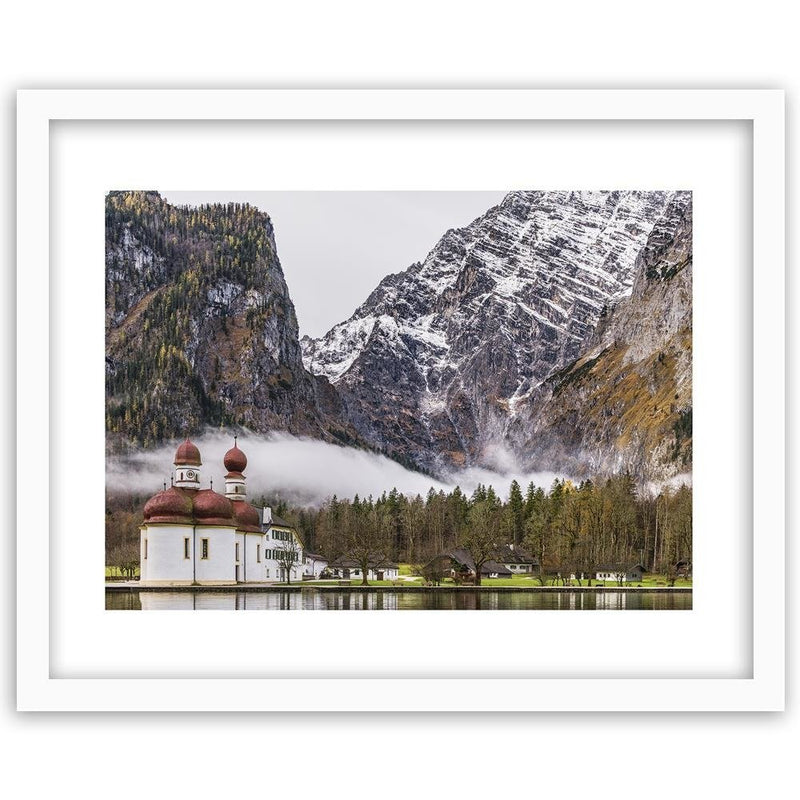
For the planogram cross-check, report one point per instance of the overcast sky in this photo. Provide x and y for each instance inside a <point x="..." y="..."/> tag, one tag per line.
<point x="335" y="247"/>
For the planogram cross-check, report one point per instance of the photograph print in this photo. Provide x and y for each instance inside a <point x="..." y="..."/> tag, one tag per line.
<point x="398" y="400"/>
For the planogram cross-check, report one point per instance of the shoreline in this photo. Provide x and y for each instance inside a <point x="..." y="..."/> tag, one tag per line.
<point x="131" y="587"/>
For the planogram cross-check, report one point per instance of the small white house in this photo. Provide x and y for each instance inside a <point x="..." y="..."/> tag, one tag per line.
<point x="313" y="565"/>
<point x="620" y="574"/>
<point x="517" y="560"/>
<point x="349" y="569"/>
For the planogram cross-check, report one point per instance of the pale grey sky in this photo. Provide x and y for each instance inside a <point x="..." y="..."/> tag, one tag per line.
<point x="335" y="247"/>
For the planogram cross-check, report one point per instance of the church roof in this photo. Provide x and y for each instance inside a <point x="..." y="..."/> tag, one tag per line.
<point x="246" y="516"/>
<point x="172" y="505"/>
<point x="235" y="460"/>
<point x="211" y="508"/>
<point x="188" y="453"/>
<point x="185" y="506"/>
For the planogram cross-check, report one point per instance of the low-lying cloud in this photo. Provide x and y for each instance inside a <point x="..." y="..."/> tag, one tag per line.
<point x="305" y="471"/>
<point x="653" y="488"/>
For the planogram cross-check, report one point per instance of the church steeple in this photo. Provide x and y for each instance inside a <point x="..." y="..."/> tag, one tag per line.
<point x="235" y="462"/>
<point x="187" y="466"/>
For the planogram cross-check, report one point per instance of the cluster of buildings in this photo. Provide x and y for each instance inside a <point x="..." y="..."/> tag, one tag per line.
<point x="196" y="536"/>
<point x="509" y="560"/>
<point x="348" y="568"/>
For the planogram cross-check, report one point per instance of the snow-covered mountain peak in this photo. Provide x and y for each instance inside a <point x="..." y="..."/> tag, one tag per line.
<point x="545" y="260"/>
<point x="433" y="366"/>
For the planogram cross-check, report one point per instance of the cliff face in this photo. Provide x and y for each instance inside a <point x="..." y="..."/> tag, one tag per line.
<point x="200" y="328"/>
<point x="439" y="365"/>
<point x="626" y="402"/>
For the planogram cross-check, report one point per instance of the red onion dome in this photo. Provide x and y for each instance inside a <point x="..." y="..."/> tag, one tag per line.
<point x="246" y="516"/>
<point x="235" y="460"/>
<point x="211" y="508"/>
<point x="171" y="505"/>
<point x="188" y="453"/>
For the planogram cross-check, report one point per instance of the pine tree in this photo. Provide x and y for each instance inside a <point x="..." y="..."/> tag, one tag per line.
<point x="516" y="513"/>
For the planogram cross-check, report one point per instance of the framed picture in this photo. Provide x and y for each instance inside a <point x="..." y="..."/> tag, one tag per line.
<point x="87" y="160"/>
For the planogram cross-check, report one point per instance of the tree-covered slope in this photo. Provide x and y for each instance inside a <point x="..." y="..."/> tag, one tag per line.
<point x="200" y="328"/>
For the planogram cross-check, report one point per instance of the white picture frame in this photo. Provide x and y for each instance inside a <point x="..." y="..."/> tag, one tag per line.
<point x="42" y="684"/>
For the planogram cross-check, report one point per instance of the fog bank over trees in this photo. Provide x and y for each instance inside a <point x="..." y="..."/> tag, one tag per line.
<point x="304" y="472"/>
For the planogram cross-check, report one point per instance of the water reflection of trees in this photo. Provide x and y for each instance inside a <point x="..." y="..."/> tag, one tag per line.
<point x="455" y="600"/>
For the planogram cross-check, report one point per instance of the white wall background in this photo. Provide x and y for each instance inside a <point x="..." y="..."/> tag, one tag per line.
<point x="417" y="44"/>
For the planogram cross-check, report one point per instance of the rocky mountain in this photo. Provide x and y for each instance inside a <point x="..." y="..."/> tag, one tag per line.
<point x="200" y="328"/>
<point x="446" y="364"/>
<point x="556" y="327"/>
<point x="626" y="402"/>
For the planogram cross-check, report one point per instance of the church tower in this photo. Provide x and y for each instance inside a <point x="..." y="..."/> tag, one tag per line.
<point x="187" y="466"/>
<point x="236" y="463"/>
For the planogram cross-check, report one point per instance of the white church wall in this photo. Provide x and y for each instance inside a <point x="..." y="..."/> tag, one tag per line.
<point x="162" y="553"/>
<point x="142" y="560"/>
<point x="238" y="556"/>
<point x="218" y="564"/>
<point x="253" y="551"/>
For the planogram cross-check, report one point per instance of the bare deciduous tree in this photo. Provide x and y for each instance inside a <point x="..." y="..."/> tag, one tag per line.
<point x="367" y="538"/>
<point x="480" y="537"/>
<point x="288" y="557"/>
<point x="125" y="557"/>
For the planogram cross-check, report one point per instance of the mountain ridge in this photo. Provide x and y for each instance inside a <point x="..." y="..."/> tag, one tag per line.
<point x="433" y="363"/>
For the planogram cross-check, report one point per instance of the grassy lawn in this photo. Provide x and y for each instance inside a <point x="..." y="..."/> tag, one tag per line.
<point x="518" y="581"/>
<point x="661" y="580"/>
<point x="527" y="580"/>
<point x="357" y="582"/>
<point x="515" y="581"/>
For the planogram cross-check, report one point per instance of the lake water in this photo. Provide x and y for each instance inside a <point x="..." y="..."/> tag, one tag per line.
<point x="460" y="600"/>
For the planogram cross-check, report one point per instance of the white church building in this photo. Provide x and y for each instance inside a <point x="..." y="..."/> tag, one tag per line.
<point x="193" y="536"/>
